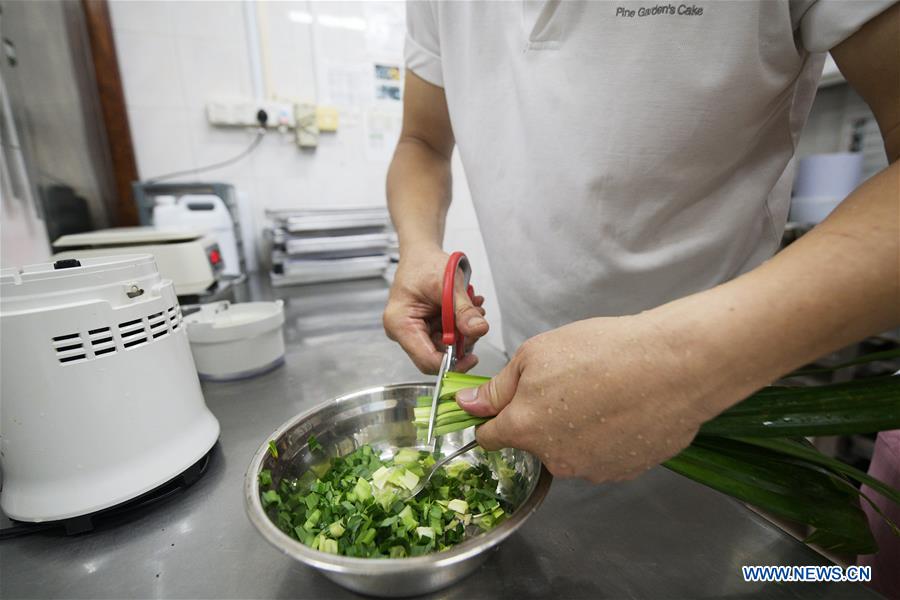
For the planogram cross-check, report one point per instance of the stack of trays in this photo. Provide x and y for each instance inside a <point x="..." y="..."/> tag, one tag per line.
<point x="317" y="245"/>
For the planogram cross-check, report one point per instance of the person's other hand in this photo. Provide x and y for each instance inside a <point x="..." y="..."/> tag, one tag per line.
<point x="601" y="399"/>
<point x="412" y="316"/>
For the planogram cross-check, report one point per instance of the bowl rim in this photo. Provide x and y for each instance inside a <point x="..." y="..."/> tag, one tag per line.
<point x="350" y="564"/>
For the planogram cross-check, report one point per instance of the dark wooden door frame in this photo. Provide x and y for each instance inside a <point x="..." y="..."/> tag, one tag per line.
<point x="113" y="108"/>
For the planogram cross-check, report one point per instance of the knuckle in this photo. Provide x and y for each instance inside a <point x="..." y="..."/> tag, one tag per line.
<point x="527" y="349"/>
<point x="487" y="439"/>
<point x="497" y="435"/>
<point x="491" y="389"/>
<point x="387" y="324"/>
<point x="558" y="469"/>
<point x="390" y="313"/>
<point x="516" y="426"/>
<point x="461" y="309"/>
<point x="423" y="367"/>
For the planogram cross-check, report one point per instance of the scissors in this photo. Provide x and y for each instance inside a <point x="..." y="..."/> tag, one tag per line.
<point x="451" y="337"/>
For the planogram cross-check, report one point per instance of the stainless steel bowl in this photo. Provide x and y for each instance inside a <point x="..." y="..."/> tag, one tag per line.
<point x="382" y="417"/>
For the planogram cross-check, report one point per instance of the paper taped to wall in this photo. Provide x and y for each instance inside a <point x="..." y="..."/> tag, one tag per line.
<point x="382" y="127"/>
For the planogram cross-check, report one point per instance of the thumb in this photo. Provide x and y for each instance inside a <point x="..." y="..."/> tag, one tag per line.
<point x="490" y="398"/>
<point x="469" y="318"/>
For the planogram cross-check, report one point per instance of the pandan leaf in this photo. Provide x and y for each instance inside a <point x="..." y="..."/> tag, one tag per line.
<point x="802" y="452"/>
<point x="768" y="481"/>
<point x="862" y="406"/>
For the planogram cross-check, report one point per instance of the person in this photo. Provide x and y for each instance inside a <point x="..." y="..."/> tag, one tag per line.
<point x="630" y="165"/>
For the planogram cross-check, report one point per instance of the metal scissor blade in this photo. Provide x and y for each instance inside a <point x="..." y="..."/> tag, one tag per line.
<point x="446" y="365"/>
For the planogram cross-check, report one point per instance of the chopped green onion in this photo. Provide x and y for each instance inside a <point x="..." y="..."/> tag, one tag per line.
<point x="359" y="505"/>
<point x="362" y="489"/>
<point x="265" y="478"/>
<point x="328" y="545"/>
<point x="336" y="529"/>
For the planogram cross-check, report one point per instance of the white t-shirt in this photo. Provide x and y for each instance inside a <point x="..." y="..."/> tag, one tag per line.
<point x="624" y="154"/>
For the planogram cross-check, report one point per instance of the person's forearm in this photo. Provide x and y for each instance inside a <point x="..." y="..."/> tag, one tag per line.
<point x="419" y="192"/>
<point x="834" y="286"/>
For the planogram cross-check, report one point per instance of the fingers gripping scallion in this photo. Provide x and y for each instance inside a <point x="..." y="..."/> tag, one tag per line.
<point x="450" y="417"/>
<point x="751" y="451"/>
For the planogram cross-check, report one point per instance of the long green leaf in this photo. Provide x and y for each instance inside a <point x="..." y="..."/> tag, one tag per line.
<point x="863" y="406"/>
<point x="802" y="452"/>
<point x="762" y="478"/>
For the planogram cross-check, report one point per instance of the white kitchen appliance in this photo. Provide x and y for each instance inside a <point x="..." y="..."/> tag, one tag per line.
<point x="100" y="398"/>
<point x="201" y="212"/>
<point x="236" y="341"/>
<point x="822" y="182"/>
<point x="191" y="259"/>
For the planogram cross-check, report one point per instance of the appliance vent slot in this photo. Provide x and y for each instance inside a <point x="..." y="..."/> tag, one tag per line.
<point x="69" y="347"/>
<point x="102" y="341"/>
<point x="133" y="333"/>
<point x="131" y="328"/>
<point x="65" y="359"/>
<point x="134" y="342"/>
<point x="174" y="316"/>
<point x="70" y="336"/>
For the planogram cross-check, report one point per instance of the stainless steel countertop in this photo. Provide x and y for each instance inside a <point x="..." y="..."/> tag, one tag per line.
<point x="658" y="536"/>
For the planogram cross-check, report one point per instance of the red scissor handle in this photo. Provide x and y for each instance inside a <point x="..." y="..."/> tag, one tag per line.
<point x="451" y="335"/>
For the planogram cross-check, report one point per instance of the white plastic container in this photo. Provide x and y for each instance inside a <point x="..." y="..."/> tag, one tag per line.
<point x="236" y="341"/>
<point x="100" y="399"/>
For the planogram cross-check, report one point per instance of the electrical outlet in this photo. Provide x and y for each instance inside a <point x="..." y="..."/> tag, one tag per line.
<point x="224" y="113"/>
<point x="281" y="114"/>
<point x="242" y="113"/>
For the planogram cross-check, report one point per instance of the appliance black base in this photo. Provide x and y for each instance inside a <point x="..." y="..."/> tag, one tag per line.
<point x="87" y="523"/>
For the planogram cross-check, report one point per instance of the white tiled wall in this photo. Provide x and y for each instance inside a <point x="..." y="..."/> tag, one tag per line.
<point x="175" y="56"/>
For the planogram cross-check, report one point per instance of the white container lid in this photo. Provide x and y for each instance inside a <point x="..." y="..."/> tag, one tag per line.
<point x="129" y="236"/>
<point x="224" y="322"/>
<point x="49" y="285"/>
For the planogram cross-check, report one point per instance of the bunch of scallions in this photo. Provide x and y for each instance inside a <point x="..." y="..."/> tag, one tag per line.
<point x="757" y="450"/>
